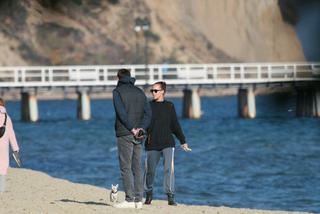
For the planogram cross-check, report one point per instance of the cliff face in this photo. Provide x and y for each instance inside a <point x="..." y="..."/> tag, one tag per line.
<point x="184" y="31"/>
<point x="244" y="30"/>
<point x="304" y="15"/>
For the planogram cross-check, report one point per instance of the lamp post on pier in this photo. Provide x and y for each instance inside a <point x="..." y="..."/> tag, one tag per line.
<point x="143" y="25"/>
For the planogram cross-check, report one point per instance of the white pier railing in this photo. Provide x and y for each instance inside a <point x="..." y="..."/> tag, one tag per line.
<point x="179" y="74"/>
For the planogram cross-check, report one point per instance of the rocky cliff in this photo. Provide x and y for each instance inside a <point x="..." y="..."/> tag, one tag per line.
<point x="304" y="15"/>
<point x="33" y="32"/>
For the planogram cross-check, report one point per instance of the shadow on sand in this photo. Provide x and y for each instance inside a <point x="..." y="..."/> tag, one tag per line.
<point x="85" y="202"/>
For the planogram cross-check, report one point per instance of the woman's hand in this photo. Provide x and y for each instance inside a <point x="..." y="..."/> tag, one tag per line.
<point x="185" y="147"/>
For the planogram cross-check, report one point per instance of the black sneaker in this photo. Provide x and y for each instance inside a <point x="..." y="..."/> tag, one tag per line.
<point x="148" y="198"/>
<point x="171" y="200"/>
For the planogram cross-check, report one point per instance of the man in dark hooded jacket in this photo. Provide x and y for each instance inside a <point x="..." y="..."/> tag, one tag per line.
<point x="133" y="113"/>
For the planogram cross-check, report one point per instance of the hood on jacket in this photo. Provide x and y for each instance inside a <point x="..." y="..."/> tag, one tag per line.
<point x="126" y="80"/>
<point x="3" y="109"/>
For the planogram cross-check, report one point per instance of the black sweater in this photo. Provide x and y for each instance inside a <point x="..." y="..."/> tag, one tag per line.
<point x="164" y="123"/>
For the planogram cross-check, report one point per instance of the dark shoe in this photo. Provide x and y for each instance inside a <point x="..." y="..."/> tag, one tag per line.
<point x="171" y="200"/>
<point x="148" y="198"/>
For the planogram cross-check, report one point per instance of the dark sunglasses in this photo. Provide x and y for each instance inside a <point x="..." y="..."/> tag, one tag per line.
<point x="155" y="90"/>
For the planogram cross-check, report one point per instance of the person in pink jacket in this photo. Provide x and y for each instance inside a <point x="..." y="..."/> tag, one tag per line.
<point x="8" y="137"/>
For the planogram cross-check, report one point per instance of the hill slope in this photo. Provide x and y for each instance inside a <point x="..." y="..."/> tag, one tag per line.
<point x="183" y="31"/>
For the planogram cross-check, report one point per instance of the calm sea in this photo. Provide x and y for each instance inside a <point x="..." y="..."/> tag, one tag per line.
<point x="271" y="162"/>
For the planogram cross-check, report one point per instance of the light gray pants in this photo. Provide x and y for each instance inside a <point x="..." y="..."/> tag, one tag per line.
<point x="151" y="163"/>
<point x="2" y="183"/>
<point x="130" y="166"/>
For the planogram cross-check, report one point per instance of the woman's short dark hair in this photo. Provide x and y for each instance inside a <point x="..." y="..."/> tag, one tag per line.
<point x="162" y="84"/>
<point x="123" y="73"/>
<point x="2" y="103"/>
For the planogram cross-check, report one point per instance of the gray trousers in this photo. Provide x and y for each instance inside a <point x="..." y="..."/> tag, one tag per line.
<point x="151" y="163"/>
<point x="130" y="167"/>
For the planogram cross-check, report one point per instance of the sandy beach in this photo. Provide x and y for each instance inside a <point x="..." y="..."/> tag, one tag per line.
<point x="36" y="192"/>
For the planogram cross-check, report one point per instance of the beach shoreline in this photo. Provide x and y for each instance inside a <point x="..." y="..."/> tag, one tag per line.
<point x="31" y="191"/>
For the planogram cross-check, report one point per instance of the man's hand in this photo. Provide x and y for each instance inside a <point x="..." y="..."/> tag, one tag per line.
<point x="185" y="147"/>
<point x="136" y="131"/>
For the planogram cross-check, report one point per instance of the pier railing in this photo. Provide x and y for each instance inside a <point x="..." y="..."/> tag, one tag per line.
<point x="173" y="74"/>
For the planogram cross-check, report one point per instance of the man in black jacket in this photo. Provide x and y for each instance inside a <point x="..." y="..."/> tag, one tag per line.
<point x="133" y="113"/>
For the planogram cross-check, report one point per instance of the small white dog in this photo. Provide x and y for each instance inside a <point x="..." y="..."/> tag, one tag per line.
<point x="114" y="193"/>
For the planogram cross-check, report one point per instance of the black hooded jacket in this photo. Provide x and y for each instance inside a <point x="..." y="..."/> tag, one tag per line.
<point x="131" y="107"/>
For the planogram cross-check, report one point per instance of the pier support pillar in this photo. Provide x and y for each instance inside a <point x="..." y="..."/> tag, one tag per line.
<point x="83" y="108"/>
<point x="308" y="102"/>
<point x="317" y="103"/>
<point x="246" y="103"/>
<point x="29" y="107"/>
<point x="191" y="104"/>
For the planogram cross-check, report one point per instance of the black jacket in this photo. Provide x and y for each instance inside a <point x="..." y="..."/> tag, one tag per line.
<point x="131" y="107"/>
<point x="164" y="123"/>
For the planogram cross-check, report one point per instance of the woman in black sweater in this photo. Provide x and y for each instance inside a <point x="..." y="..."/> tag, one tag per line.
<point x="160" y="142"/>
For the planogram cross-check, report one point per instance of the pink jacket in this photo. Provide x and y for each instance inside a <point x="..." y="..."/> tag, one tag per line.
<point x="8" y="137"/>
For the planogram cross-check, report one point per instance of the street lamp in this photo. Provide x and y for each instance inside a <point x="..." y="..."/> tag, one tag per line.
<point x="143" y="25"/>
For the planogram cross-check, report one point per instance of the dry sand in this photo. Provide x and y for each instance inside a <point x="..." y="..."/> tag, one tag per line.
<point x="35" y="192"/>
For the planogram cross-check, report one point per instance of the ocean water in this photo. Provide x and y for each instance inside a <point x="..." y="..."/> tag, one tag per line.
<point x="271" y="162"/>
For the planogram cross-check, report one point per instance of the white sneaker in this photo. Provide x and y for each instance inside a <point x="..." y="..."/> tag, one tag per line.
<point x="138" y="205"/>
<point x="125" y="204"/>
